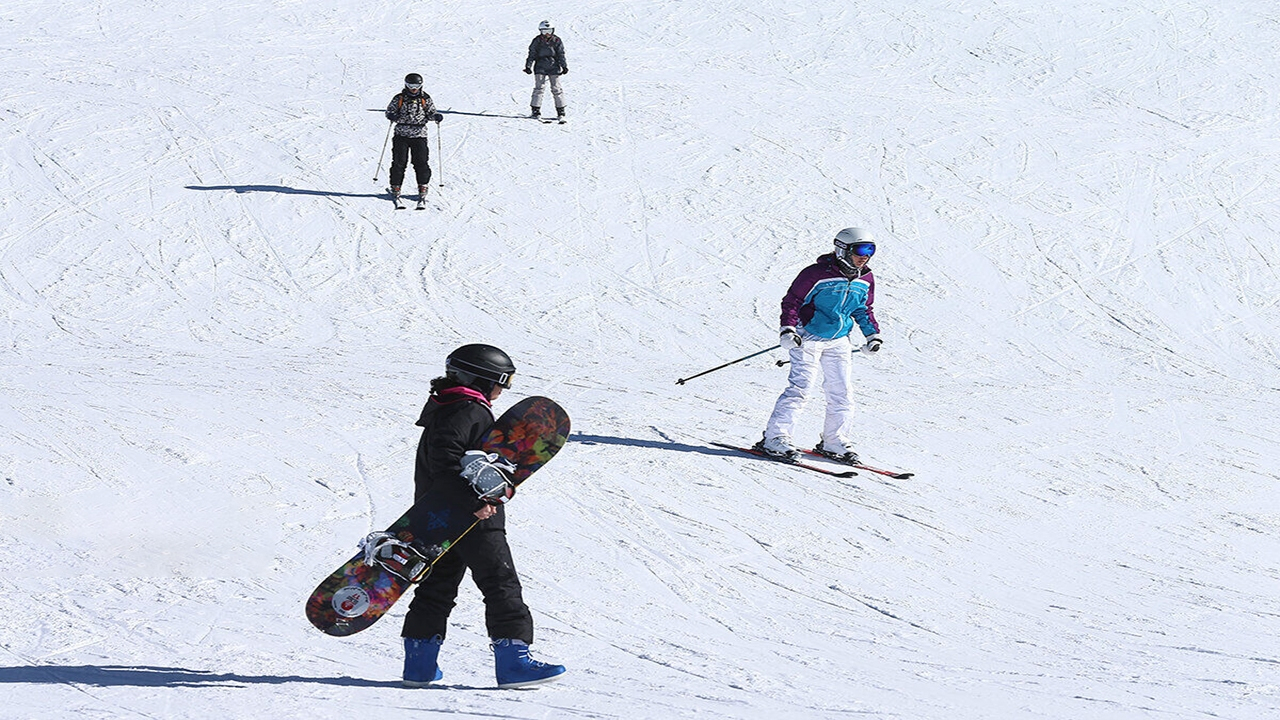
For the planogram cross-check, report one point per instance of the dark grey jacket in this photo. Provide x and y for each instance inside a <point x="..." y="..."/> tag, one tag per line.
<point x="546" y="56"/>
<point x="453" y="422"/>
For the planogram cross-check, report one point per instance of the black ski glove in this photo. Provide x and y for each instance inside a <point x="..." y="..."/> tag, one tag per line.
<point x="527" y="71"/>
<point x="874" y="343"/>
<point x="564" y="71"/>
<point x="438" y="117"/>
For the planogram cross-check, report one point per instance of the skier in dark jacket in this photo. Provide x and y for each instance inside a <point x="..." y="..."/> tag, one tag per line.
<point x="455" y="419"/>
<point x="546" y="63"/>
<point x="411" y="109"/>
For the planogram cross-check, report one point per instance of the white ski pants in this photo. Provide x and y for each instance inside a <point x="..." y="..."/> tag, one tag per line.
<point x="834" y="358"/>
<point x="557" y="92"/>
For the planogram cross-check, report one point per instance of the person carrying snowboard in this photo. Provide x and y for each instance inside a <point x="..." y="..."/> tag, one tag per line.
<point x="411" y="109"/>
<point x="825" y="302"/>
<point x="449" y="479"/>
<point x="546" y="63"/>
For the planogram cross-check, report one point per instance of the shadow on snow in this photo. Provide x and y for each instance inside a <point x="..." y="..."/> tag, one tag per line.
<point x="147" y="676"/>
<point x="470" y="114"/>
<point x="652" y="444"/>
<point x="285" y="190"/>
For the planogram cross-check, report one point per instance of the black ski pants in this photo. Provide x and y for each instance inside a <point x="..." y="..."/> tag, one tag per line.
<point x="485" y="552"/>
<point x="400" y="148"/>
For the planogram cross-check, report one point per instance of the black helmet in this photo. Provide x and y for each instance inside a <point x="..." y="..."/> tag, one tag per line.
<point x="479" y="364"/>
<point x="413" y="79"/>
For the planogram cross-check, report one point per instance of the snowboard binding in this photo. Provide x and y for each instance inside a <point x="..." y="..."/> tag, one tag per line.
<point x="409" y="561"/>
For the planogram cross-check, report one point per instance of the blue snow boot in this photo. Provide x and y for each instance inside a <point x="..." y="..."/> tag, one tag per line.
<point x="420" y="669"/>
<point x="514" y="667"/>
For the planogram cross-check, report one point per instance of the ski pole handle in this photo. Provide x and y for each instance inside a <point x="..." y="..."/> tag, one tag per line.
<point x="682" y="381"/>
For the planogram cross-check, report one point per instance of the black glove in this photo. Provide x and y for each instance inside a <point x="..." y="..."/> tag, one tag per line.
<point x="438" y="117"/>
<point x="527" y="71"/>
<point x="874" y="343"/>
<point x="564" y="71"/>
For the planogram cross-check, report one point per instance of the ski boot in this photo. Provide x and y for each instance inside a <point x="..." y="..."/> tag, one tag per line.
<point x="422" y="198"/>
<point x="841" y="451"/>
<point x="778" y="448"/>
<point x="420" y="655"/>
<point x="515" y="669"/>
<point x="535" y="112"/>
<point x="560" y="115"/>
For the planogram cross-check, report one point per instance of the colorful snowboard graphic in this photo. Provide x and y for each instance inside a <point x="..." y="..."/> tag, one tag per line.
<point x="358" y="593"/>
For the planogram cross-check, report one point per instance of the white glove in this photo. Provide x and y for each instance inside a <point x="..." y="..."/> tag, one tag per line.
<point x="489" y="475"/>
<point x="788" y="338"/>
<point x="873" y="343"/>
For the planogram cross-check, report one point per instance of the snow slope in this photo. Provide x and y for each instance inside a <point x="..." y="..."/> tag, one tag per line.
<point x="215" y="338"/>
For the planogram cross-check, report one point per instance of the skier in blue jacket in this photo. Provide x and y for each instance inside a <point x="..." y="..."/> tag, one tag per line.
<point x="823" y="306"/>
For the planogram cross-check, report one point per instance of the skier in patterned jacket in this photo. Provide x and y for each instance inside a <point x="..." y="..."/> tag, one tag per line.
<point x="824" y="304"/>
<point x="411" y="109"/>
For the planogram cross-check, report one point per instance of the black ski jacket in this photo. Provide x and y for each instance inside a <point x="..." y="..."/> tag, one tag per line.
<point x="453" y="421"/>
<point x="546" y="55"/>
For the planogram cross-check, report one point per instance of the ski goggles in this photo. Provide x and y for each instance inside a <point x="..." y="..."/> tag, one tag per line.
<point x="859" y="249"/>
<point x="413" y="86"/>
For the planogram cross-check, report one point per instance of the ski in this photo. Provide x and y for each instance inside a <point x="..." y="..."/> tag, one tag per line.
<point x="794" y="463"/>
<point x="895" y="474"/>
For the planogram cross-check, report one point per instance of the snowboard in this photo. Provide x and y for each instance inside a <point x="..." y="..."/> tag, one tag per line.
<point x="360" y="592"/>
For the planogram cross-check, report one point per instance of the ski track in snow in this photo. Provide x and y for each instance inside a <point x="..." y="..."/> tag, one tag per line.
<point x="217" y="334"/>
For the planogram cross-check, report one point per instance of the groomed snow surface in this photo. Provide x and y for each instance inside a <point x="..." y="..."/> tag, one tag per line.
<point x="215" y="336"/>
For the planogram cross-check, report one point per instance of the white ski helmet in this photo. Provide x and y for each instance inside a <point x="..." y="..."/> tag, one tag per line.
<point x="853" y="242"/>
<point x="545" y="27"/>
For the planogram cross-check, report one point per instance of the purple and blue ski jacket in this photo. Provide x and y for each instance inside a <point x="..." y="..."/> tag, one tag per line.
<point x="824" y="302"/>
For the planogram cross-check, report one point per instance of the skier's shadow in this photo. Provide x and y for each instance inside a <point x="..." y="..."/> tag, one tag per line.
<point x="652" y="444"/>
<point x="284" y="189"/>
<point x="469" y="114"/>
<point x="150" y="676"/>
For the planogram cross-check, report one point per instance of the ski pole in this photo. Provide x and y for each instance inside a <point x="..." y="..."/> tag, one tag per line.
<point x="439" y="155"/>
<point x="681" y="381"/>
<point x="383" y="154"/>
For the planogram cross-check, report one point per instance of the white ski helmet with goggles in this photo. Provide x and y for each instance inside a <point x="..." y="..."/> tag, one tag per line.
<point x="850" y="243"/>
<point x="545" y="27"/>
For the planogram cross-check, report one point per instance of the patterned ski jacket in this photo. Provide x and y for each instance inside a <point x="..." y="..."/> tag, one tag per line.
<point x="453" y="421"/>
<point x="411" y="113"/>
<point x="546" y="56"/>
<point x="825" y="303"/>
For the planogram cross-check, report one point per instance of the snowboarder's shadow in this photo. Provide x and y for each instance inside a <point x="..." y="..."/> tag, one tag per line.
<point x="651" y="444"/>
<point x="148" y="676"/>
<point x="285" y="190"/>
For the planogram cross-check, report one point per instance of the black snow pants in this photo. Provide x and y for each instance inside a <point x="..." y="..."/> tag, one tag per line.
<point x="485" y="552"/>
<point x="400" y="147"/>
